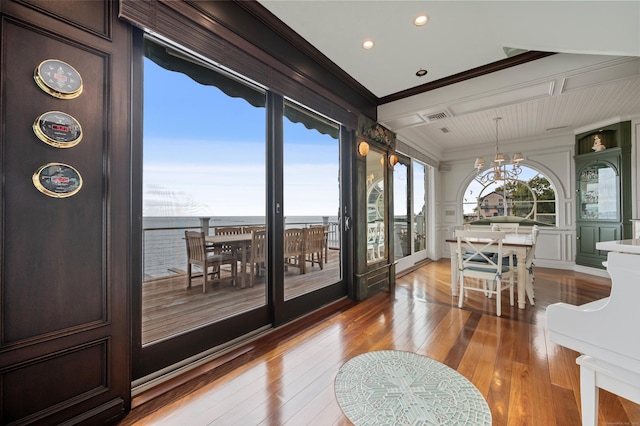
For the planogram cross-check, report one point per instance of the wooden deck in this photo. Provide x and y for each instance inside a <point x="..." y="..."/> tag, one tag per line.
<point x="169" y="307"/>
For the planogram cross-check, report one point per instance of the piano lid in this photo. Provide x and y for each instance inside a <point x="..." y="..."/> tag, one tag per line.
<point x="623" y="246"/>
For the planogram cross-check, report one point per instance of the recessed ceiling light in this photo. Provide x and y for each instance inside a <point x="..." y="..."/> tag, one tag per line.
<point x="421" y="20"/>
<point x="421" y="72"/>
<point x="367" y="44"/>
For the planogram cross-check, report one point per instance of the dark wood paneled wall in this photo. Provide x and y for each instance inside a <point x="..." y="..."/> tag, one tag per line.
<point x="64" y="333"/>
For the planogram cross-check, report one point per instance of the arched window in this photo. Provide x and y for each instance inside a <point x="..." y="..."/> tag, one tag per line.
<point x="528" y="195"/>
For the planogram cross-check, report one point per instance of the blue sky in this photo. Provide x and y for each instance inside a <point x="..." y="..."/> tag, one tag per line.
<point x="204" y="154"/>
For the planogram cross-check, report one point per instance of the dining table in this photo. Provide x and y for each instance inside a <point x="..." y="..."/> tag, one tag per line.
<point x="518" y="244"/>
<point x="238" y="243"/>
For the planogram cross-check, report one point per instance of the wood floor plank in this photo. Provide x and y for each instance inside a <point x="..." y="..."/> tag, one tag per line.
<point x="314" y="411"/>
<point x="566" y="411"/>
<point x="287" y="375"/>
<point x="520" y="399"/>
<point x="485" y="365"/>
<point x="542" y="409"/>
<point x="445" y="334"/>
<point x="558" y="373"/>
<point x="498" y="397"/>
<point x="631" y="409"/>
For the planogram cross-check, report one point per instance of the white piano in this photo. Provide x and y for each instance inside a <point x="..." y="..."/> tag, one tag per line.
<point x="606" y="332"/>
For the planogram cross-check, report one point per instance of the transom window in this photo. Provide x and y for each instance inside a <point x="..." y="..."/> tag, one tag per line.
<point x="530" y="196"/>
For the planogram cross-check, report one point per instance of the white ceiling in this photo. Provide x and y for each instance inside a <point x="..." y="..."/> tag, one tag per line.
<point x="596" y="77"/>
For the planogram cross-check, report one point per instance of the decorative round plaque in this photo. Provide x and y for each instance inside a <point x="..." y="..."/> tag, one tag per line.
<point x="58" y="129"/>
<point x="58" y="79"/>
<point x="57" y="180"/>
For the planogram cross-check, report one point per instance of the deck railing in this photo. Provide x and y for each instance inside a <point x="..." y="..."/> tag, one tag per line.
<point x="164" y="251"/>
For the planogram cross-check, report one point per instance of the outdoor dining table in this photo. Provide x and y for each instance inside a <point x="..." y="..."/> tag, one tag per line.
<point x="518" y="244"/>
<point x="236" y="241"/>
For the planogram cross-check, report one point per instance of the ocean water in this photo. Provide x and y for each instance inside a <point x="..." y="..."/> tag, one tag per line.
<point x="163" y="238"/>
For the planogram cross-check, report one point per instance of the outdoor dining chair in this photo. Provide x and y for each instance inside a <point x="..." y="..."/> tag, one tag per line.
<point x="294" y="248"/>
<point x="228" y="230"/>
<point x="258" y="254"/>
<point x="198" y="254"/>
<point x="314" y="244"/>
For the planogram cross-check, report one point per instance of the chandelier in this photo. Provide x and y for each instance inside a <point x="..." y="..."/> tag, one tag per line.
<point x="498" y="167"/>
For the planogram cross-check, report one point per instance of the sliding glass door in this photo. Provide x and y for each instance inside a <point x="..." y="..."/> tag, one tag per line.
<point x="219" y="260"/>
<point x="311" y="197"/>
<point x="204" y="175"/>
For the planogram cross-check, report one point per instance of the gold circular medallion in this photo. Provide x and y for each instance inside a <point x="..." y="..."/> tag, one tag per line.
<point x="57" y="180"/>
<point x="58" y="129"/>
<point x="58" y="79"/>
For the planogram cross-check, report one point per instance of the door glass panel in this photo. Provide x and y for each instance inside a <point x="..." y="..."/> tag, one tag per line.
<point x="530" y="195"/>
<point x="311" y="201"/>
<point x="419" y="207"/>
<point x="203" y="170"/>
<point x="376" y="207"/>
<point x="598" y="193"/>
<point x="401" y="219"/>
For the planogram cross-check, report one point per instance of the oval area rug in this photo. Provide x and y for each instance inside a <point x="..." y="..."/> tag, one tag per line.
<point x="403" y="388"/>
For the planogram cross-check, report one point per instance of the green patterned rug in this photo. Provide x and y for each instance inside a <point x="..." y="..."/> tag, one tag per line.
<point x="404" y="388"/>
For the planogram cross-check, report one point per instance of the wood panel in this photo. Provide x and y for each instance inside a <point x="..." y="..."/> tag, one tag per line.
<point x="92" y="16"/>
<point x="41" y="266"/>
<point x="286" y="377"/>
<point x="64" y="331"/>
<point x="40" y="379"/>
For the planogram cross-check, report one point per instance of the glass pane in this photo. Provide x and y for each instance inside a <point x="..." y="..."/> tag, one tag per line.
<point x="598" y="193"/>
<point x="527" y="194"/>
<point x="203" y="169"/>
<point x="401" y="222"/>
<point x="311" y="202"/>
<point x="376" y="250"/>
<point x="419" y="207"/>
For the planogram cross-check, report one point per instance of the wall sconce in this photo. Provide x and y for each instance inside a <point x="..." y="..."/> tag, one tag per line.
<point x="363" y="148"/>
<point x="393" y="160"/>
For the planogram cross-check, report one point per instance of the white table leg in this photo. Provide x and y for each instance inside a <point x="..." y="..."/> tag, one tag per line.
<point x="521" y="256"/>
<point x="454" y="269"/>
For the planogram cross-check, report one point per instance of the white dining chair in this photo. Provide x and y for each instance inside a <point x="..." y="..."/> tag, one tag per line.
<point x="483" y="261"/>
<point x="509" y="228"/>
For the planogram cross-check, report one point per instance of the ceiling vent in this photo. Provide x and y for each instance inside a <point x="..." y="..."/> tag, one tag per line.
<point x="437" y="116"/>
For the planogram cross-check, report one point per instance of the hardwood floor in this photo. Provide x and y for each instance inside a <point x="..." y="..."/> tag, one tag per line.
<point x="287" y="376"/>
